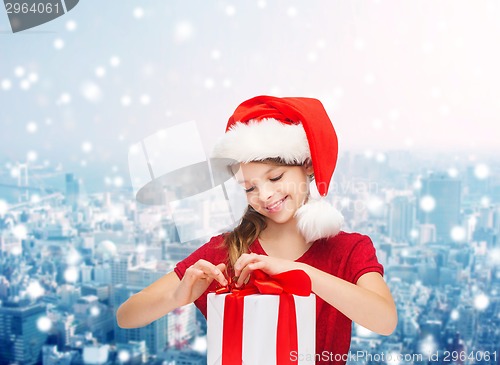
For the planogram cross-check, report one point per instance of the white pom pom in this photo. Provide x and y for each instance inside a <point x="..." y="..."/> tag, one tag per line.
<point x="318" y="219"/>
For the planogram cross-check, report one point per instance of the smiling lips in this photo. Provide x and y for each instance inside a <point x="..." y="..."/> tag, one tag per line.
<point x="276" y="206"/>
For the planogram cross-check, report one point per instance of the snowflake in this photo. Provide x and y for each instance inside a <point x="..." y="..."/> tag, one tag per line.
<point x="427" y="203"/>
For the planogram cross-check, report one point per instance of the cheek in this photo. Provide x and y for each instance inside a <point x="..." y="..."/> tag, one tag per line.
<point x="253" y="200"/>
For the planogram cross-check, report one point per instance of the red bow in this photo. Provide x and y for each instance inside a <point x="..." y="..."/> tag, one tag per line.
<point x="285" y="285"/>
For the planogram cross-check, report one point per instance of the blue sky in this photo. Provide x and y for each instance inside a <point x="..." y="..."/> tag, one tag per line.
<point x="416" y="75"/>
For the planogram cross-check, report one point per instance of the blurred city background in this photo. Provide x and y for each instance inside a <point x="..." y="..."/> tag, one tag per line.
<point x="412" y="89"/>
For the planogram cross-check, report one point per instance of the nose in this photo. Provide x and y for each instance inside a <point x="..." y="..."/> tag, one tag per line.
<point x="265" y="192"/>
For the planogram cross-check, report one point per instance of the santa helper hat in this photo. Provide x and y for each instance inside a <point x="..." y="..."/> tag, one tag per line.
<point x="294" y="129"/>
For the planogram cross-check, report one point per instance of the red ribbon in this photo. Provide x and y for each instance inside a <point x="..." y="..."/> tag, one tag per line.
<point x="285" y="285"/>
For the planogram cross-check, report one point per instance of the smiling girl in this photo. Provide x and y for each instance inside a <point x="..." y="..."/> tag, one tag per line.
<point x="278" y="147"/>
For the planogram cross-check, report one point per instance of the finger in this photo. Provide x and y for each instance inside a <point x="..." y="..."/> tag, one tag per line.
<point x="245" y="274"/>
<point x="212" y="271"/>
<point x="192" y="274"/>
<point x="243" y="261"/>
<point x="221" y="278"/>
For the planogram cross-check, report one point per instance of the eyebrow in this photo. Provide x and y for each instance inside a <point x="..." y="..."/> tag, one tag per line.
<point x="265" y="173"/>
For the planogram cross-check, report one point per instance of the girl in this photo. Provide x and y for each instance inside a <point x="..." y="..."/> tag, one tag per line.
<point x="277" y="147"/>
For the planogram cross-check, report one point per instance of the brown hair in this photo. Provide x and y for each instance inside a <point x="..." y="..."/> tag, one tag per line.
<point x="238" y="241"/>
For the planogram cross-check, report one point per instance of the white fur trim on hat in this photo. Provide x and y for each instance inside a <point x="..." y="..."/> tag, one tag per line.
<point x="318" y="219"/>
<point x="266" y="138"/>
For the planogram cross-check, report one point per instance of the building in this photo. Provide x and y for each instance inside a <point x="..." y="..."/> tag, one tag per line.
<point x="72" y="190"/>
<point x="401" y="218"/>
<point x="445" y="191"/>
<point x="21" y="340"/>
<point x="155" y="333"/>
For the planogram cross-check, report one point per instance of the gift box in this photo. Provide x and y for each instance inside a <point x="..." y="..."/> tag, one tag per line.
<point x="245" y="327"/>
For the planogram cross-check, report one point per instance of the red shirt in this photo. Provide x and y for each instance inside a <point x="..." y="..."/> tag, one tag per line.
<point x="347" y="256"/>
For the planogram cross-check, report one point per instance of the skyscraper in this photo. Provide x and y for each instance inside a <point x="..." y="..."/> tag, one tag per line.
<point x="401" y="218"/>
<point x="72" y="189"/>
<point x="155" y="334"/>
<point x="444" y="193"/>
<point x="20" y="339"/>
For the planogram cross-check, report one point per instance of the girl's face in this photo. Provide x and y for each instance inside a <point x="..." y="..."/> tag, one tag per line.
<point x="274" y="191"/>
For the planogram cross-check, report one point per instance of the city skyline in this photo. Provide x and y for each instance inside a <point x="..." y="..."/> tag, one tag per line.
<point x="105" y="248"/>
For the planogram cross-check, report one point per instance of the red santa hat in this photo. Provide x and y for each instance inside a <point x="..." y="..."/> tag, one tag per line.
<point x="295" y="130"/>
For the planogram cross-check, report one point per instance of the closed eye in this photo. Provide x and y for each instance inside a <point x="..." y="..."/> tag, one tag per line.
<point x="250" y="189"/>
<point x="277" y="178"/>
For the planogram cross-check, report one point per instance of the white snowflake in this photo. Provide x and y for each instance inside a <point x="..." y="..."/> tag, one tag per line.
<point x="118" y="181"/>
<point x="44" y="324"/>
<point x="35" y="290"/>
<point x="58" y="44"/>
<point x="292" y="12"/>
<point x="380" y="157"/>
<point x="452" y="172"/>
<point x="115" y="61"/>
<point x="230" y="10"/>
<point x="457" y="234"/>
<point x="71" y="25"/>
<point x="427" y="203"/>
<point x="126" y="100"/>
<point x="20" y="231"/>
<point x="138" y="13"/>
<point x="145" y="99"/>
<point x="481" y="302"/>
<point x="123" y="356"/>
<point x="73" y="257"/>
<point x="19" y="71"/>
<point x="91" y="91"/>
<point x="485" y="201"/>
<point x="87" y="147"/>
<point x="200" y="345"/>
<point x="71" y="274"/>
<point x="100" y="71"/>
<point x="428" y="345"/>
<point x="65" y="98"/>
<point x="481" y="171"/>
<point x="31" y="127"/>
<point x="183" y="31"/>
<point x="33" y="77"/>
<point x="6" y="84"/>
<point x="95" y="311"/>
<point x="25" y="84"/>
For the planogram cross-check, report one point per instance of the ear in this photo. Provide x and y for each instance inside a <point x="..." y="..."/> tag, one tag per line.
<point x="308" y="167"/>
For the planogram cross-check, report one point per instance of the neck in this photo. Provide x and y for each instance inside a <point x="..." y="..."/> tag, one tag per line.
<point x="283" y="240"/>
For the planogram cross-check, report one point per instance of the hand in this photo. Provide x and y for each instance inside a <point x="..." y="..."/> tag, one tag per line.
<point x="249" y="262"/>
<point x="197" y="279"/>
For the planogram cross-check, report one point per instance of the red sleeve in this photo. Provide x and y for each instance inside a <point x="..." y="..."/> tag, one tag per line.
<point x="212" y="251"/>
<point x="363" y="259"/>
